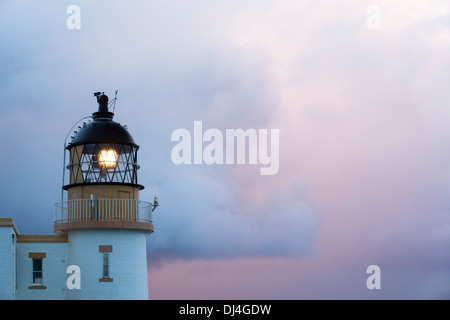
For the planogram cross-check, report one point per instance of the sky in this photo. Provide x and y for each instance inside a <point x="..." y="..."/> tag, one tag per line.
<point x="358" y="91"/>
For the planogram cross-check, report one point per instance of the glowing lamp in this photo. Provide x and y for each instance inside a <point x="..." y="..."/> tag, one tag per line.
<point x="108" y="159"/>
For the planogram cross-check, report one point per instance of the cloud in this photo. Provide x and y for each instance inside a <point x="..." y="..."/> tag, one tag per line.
<point x="363" y="119"/>
<point x="213" y="217"/>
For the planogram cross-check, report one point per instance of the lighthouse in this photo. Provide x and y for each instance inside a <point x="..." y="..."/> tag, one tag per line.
<point x="105" y="221"/>
<point x="98" y="249"/>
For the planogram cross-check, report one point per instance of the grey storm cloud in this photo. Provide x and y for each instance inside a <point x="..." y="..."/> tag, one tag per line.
<point x="363" y="114"/>
<point x="209" y="219"/>
<point x="167" y="77"/>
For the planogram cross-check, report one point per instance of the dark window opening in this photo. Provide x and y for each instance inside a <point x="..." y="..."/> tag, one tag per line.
<point x="37" y="271"/>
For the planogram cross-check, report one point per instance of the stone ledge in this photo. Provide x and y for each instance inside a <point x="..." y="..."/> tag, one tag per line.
<point x="134" y="225"/>
<point x="46" y="238"/>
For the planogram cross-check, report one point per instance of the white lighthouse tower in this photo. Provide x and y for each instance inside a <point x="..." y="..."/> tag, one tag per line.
<point x="105" y="221"/>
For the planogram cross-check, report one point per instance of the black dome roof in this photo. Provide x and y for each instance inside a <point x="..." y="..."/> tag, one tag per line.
<point x="103" y="132"/>
<point x="103" y="129"/>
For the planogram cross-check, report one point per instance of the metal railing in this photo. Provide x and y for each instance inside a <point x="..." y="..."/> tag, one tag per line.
<point x="81" y="210"/>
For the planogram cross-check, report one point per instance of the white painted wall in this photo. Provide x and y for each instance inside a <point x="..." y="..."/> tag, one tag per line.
<point x="7" y="263"/>
<point x="128" y="264"/>
<point x="54" y="271"/>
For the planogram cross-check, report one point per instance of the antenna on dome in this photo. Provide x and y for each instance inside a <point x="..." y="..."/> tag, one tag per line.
<point x="113" y="103"/>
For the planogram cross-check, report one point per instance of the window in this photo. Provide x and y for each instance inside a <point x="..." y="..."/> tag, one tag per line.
<point x="106" y="252"/>
<point x="37" y="271"/>
<point x="105" y="265"/>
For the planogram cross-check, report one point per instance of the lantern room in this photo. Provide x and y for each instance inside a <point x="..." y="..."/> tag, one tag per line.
<point x="103" y="151"/>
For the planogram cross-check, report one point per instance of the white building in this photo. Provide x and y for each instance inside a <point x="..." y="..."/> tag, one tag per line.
<point x="98" y="250"/>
